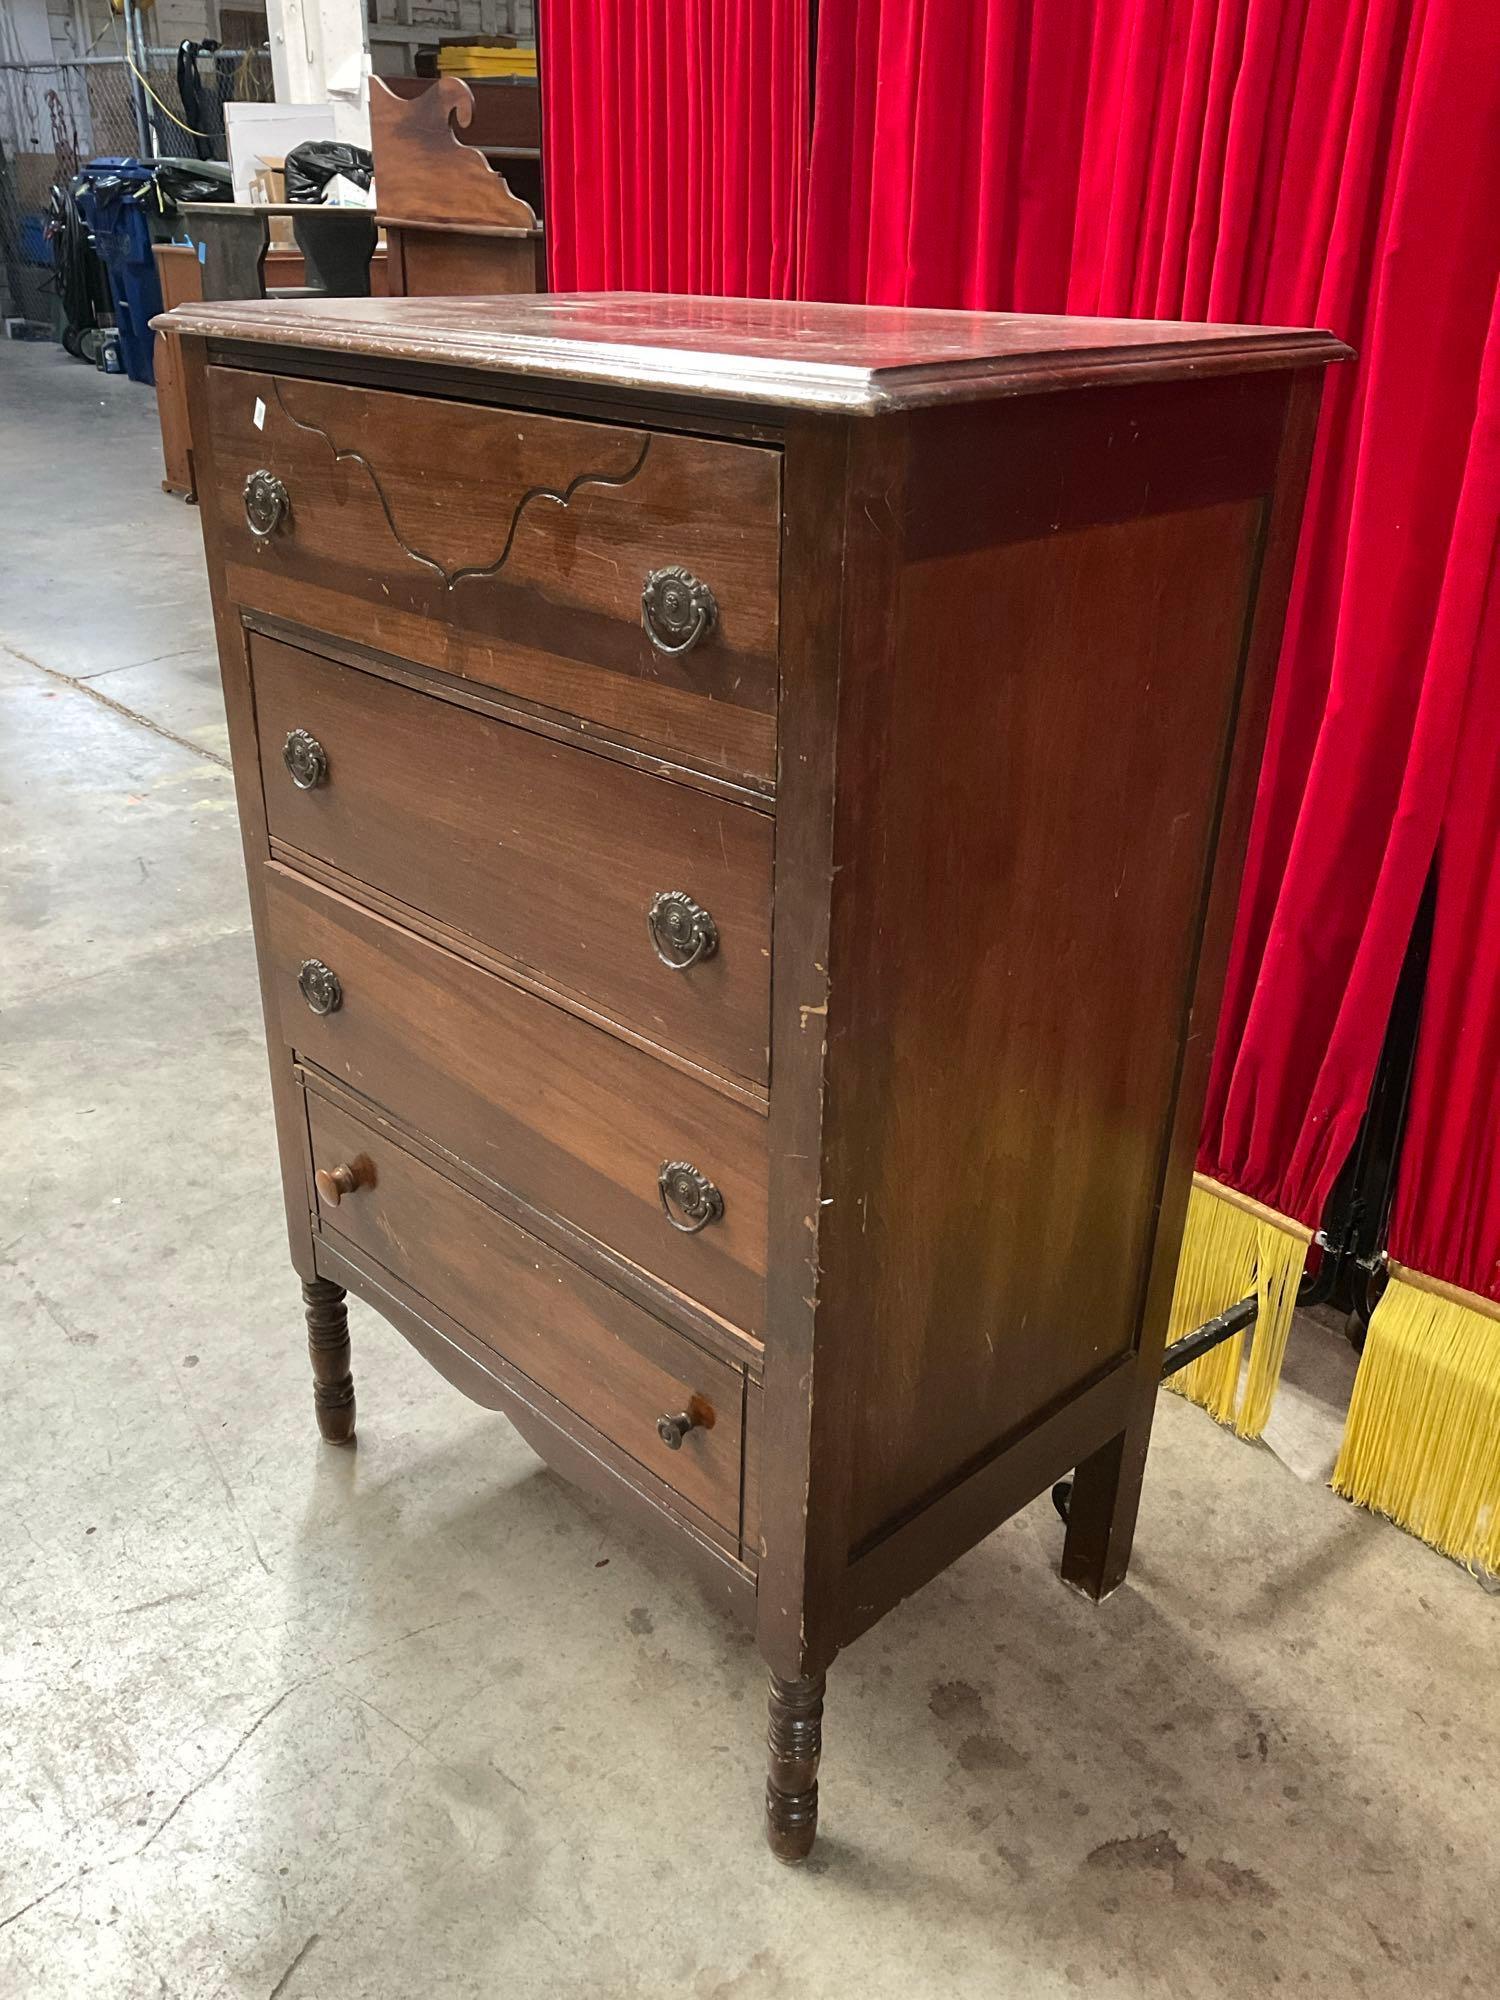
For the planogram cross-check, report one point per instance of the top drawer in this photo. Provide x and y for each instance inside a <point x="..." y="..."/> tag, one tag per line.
<point x="513" y="549"/>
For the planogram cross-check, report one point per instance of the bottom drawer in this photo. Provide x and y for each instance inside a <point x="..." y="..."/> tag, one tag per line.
<point x="615" y="1365"/>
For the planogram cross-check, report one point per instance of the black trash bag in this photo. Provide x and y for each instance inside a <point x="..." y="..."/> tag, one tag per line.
<point x="313" y="164"/>
<point x="193" y="180"/>
<point x="203" y="111"/>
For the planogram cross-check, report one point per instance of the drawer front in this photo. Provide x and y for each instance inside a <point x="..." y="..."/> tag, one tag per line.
<point x="514" y="549"/>
<point x="540" y="850"/>
<point x="564" y="1114"/>
<point x="583" y="1342"/>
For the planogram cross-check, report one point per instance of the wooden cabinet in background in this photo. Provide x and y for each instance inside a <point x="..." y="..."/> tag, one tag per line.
<point x="451" y="219"/>
<point x="744" y="805"/>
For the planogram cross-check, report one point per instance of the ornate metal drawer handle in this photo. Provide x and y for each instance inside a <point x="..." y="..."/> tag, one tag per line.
<point x="319" y="986"/>
<point x="681" y="1186"/>
<point x="306" y="759"/>
<point x="681" y="930"/>
<point x="268" y="505"/>
<point x="676" y="610"/>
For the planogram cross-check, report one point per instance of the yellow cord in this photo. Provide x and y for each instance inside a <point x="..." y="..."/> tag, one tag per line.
<point x="145" y="84"/>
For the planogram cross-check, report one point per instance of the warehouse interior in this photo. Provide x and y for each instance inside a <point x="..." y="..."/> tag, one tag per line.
<point x="464" y="1705"/>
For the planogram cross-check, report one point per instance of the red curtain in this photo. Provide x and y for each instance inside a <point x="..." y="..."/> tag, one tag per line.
<point x="675" y="144"/>
<point x="1328" y="162"/>
<point x="1447" y="1219"/>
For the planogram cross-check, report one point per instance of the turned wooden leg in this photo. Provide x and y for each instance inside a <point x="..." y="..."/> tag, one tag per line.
<point x="1101" y="1513"/>
<point x="328" y="1348"/>
<point x="795" y="1740"/>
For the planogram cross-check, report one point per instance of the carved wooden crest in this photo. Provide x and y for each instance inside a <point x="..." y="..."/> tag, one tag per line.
<point x="424" y="173"/>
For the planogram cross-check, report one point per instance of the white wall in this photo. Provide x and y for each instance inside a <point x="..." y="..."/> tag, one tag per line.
<point x="31" y="31"/>
<point x="399" y="25"/>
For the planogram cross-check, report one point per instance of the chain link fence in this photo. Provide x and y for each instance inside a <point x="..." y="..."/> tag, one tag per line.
<point x="54" y="116"/>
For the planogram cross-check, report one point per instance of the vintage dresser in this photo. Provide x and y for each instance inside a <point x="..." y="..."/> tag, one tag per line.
<point x="744" y="804"/>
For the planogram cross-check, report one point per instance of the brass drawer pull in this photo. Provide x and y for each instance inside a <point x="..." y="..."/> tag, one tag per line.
<point x="305" y="758"/>
<point x="676" y="610"/>
<point x="682" y="931"/>
<point x="268" y="505"/>
<point x="319" y="986"/>
<point x="683" y="1188"/>
<point x="335" y="1182"/>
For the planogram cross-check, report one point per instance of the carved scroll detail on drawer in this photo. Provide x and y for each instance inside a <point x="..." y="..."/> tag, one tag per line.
<point x="467" y="571"/>
<point x="626" y="576"/>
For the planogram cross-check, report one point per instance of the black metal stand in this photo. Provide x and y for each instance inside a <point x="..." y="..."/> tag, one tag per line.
<point x="1350" y="1271"/>
<point x="1181" y="1354"/>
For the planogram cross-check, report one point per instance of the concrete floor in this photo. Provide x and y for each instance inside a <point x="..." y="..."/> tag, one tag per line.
<point x="296" y="1724"/>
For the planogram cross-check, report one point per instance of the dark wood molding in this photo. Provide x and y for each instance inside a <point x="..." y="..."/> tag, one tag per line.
<point x="850" y="360"/>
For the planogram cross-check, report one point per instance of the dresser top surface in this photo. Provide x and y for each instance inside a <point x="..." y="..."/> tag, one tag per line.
<point x="790" y="354"/>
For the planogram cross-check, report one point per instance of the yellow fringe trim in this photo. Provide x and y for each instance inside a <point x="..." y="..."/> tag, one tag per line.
<point x="1422" y="1443"/>
<point x="1233" y="1246"/>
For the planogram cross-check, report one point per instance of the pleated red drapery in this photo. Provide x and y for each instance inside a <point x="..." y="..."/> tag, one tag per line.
<point x="1327" y="162"/>
<point x="675" y="142"/>
<point x="1447" y="1218"/>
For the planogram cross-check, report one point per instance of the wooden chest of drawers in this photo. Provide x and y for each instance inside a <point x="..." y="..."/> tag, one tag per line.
<point x="744" y="805"/>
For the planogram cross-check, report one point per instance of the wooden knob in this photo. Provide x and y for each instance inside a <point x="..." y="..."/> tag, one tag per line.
<point x="335" y="1182"/>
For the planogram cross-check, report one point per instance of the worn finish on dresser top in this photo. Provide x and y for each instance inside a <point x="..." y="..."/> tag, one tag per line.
<point x="744" y="805"/>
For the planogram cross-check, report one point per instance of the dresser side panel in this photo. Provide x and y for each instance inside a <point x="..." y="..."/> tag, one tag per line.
<point x="1029" y="792"/>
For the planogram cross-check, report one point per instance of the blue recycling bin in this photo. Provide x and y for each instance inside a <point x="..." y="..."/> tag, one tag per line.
<point x="119" y="202"/>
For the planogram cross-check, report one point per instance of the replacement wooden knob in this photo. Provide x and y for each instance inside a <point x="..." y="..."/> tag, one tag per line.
<point x="335" y="1182"/>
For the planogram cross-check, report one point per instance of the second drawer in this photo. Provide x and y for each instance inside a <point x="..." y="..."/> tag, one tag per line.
<point x="567" y="1116"/>
<point x="549" y="854"/>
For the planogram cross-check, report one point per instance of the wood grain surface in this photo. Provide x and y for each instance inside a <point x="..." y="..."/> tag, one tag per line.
<point x="785" y="354"/>
<point x="563" y="1114"/>
<point x="521" y="567"/>
<point x="548" y="854"/>
<point x="580" y="1340"/>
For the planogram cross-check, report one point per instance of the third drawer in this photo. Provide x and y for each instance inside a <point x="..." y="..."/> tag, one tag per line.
<point x="574" y="1121"/>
